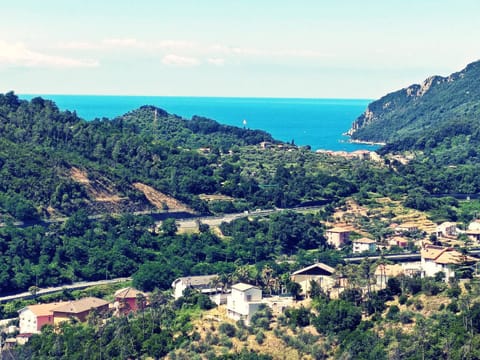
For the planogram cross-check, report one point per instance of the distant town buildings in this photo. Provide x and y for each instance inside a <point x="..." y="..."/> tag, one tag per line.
<point x="447" y="229"/>
<point x="33" y="317"/>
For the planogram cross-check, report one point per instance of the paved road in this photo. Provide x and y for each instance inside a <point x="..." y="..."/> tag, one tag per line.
<point x="217" y="220"/>
<point x="74" y="286"/>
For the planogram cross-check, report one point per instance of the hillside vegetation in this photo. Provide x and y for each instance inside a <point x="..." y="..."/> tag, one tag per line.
<point x="441" y="112"/>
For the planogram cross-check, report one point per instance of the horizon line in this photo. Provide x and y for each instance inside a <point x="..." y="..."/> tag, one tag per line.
<point x="200" y="96"/>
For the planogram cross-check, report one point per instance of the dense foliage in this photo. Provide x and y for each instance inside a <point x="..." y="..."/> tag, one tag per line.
<point x="42" y="148"/>
<point x="437" y="107"/>
<point x="82" y="249"/>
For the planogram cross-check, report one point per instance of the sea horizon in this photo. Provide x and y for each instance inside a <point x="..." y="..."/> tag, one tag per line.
<point x="317" y="122"/>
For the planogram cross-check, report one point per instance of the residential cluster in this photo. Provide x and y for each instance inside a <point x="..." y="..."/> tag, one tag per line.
<point x="33" y="318"/>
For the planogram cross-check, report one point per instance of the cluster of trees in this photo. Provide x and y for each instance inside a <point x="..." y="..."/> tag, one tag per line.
<point x="85" y="249"/>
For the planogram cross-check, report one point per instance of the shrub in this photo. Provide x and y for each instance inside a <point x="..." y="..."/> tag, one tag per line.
<point x="393" y="312"/>
<point x="225" y="341"/>
<point x="260" y="337"/>
<point x="402" y="299"/>
<point x="227" y="329"/>
<point x="405" y="317"/>
<point x="454" y="291"/>
<point x="453" y="307"/>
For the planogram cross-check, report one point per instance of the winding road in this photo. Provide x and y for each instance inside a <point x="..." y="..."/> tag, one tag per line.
<point x="74" y="286"/>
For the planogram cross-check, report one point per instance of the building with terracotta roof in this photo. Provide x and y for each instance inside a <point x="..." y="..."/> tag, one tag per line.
<point x="33" y="317"/>
<point x="473" y="231"/>
<point x="406" y="228"/>
<point x="78" y="309"/>
<point x="337" y="236"/>
<point x="127" y="300"/>
<point x="399" y="241"/>
<point x="319" y="272"/>
<point x="436" y="259"/>
<point x="384" y="272"/>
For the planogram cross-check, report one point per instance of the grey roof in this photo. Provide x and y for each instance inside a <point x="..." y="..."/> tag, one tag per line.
<point x="318" y="265"/>
<point x="200" y="280"/>
<point x="242" y="286"/>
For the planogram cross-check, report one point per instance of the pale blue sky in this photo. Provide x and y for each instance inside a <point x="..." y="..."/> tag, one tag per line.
<point x="264" y="48"/>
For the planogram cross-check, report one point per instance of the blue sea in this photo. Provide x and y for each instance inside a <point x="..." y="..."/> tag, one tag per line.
<point x="319" y="123"/>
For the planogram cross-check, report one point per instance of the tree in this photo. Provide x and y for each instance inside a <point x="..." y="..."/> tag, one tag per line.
<point x="337" y="316"/>
<point x="34" y="290"/>
<point x="153" y="275"/>
<point x="169" y="227"/>
<point x="294" y="289"/>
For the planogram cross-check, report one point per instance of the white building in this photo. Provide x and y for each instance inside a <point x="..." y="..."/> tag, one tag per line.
<point x="435" y="259"/>
<point x="244" y="300"/>
<point x="203" y="283"/>
<point x="364" y="245"/>
<point x="447" y="229"/>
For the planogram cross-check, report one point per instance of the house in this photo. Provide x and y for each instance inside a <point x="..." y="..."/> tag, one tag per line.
<point x="203" y="283"/>
<point x="337" y="236"/>
<point x="319" y="272"/>
<point x="473" y="231"/>
<point x="399" y="241"/>
<point x="473" y="235"/>
<point x="266" y="145"/>
<point x="447" y="229"/>
<point x="474" y="225"/>
<point x="436" y="259"/>
<point x="364" y="245"/>
<point x="33" y="317"/>
<point x="78" y="309"/>
<point x="243" y="302"/>
<point x="384" y="272"/>
<point x="126" y="300"/>
<point x="406" y="227"/>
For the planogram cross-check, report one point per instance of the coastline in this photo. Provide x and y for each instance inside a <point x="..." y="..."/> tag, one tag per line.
<point x="367" y="142"/>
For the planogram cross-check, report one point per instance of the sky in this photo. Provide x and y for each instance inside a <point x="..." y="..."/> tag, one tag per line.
<point x="245" y="48"/>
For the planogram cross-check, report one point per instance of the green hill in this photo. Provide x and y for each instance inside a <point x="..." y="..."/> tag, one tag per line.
<point x="436" y="113"/>
<point x="53" y="162"/>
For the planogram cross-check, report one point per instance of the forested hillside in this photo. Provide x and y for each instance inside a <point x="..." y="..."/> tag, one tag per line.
<point x="52" y="162"/>
<point x="439" y="112"/>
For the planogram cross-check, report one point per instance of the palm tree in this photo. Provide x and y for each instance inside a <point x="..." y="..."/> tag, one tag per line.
<point x="141" y="302"/>
<point x="267" y="275"/>
<point x="34" y="291"/>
